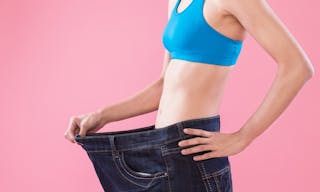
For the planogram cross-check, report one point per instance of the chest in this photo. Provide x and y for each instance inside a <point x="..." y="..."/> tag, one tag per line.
<point x="189" y="36"/>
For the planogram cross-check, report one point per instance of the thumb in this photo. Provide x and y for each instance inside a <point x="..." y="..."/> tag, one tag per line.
<point x="82" y="131"/>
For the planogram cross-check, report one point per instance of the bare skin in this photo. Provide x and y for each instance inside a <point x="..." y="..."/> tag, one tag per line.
<point x="188" y="90"/>
<point x="186" y="93"/>
<point x="294" y="68"/>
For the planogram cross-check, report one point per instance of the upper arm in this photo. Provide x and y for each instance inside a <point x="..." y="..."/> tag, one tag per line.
<point x="259" y="20"/>
<point x="167" y="56"/>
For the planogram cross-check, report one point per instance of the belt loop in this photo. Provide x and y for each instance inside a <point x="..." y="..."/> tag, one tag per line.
<point x="115" y="152"/>
<point x="180" y="130"/>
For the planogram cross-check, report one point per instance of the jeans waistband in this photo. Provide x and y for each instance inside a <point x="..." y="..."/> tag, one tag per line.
<point x="144" y="136"/>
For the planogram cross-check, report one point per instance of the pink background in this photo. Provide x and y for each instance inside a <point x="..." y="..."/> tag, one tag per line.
<point x="63" y="58"/>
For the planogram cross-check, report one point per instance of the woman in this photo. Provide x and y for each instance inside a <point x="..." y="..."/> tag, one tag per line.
<point x="203" y="40"/>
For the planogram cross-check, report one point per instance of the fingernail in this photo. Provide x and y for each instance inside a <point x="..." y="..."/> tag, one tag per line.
<point x="196" y="158"/>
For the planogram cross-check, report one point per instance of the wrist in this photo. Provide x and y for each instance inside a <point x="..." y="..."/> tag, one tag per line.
<point x="102" y="116"/>
<point x="245" y="136"/>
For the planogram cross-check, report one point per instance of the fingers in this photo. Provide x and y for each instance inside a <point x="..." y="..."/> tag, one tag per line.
<point x="208" y="155"/>
<point x="72" y="128"/>
<point x="196" y="149"/>
<point x="198" y="132"/>
<point x="94" y="130"/>
<point x="82" y="132"/>
<point x="83" y="127"/>
<point x="203" y="143"/>
<point x="194" y="141"/>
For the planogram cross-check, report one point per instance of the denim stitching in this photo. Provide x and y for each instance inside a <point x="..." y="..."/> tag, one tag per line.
<point x="126" y="178"/>
<point x="174" y="150"/>
<point x="217" y="173"/>
<point x="165" y="162"/>
<point x="113" y="146"/>
<point x="123" y="176"/>
<point x="141" y="147"/>
<point x="147" y="128"/>
<point x="203" y="177"/>
<point x="128" y="170"/>
<point x="171" y="151"/>
<point x="217" y="183"/>
<point x="180" y="130"/>
<point x="227" y="184"/>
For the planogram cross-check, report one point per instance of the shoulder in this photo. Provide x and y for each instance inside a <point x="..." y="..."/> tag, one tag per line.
<point x="263" y="24"/>
<point x="244" y="7"/>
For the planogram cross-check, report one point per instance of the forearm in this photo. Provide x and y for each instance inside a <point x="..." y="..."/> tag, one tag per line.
<point x="145" y="101"/>
<point x="284" y="88"/>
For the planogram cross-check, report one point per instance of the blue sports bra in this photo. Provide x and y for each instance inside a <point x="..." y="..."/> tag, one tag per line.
<point x="188" y="36"/>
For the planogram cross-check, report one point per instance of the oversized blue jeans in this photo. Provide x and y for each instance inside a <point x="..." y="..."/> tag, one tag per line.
<point x="146" y="159"/>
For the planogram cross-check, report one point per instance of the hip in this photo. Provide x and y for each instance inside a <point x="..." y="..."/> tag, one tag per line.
<point x="149" y="159"/>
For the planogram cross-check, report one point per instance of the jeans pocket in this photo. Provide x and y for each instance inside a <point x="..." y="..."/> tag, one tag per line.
<point x="141" y="167"/>
<point x="216" y="174"/>
<point x="223" y="180"/>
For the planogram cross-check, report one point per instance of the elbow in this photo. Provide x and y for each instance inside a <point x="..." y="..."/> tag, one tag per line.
<point x="306" y="67"/>
<point x="308" y="70"/>
<point x="303" y="70"/>
<point x="311" y="71"/>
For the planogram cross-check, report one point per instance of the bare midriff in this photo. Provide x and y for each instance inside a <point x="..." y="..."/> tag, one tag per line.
<point x="191" y="90"/>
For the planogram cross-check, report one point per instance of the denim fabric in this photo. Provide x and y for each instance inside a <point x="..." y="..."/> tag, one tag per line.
<point x="146" y="159"/>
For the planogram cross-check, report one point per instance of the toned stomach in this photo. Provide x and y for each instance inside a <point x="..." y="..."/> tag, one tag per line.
<point x="191" y="90"/>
